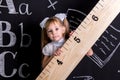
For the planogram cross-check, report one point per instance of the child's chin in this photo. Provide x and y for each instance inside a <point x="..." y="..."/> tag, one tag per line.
<point x="56" y="39"/>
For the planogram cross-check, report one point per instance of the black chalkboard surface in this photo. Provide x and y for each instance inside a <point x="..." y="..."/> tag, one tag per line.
<point x="20" y="40"/>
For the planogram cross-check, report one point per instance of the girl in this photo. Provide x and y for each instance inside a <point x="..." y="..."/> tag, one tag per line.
<point x="54" y="34"/>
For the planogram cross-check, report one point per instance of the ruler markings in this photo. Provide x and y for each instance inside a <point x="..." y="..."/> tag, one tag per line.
<point x="87" y="32"/>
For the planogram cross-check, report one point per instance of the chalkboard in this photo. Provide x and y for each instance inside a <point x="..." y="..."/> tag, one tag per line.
<point x="20" y="57"/>
<point x="20" y="40"/>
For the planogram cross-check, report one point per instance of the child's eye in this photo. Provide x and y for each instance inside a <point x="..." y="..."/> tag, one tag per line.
<point x="49" y="31"/>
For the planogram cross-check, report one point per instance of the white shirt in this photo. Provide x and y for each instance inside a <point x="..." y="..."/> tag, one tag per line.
<point x="49" y="49"/>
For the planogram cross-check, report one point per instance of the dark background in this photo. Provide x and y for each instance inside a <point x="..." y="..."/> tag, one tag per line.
<point x="103" y="65"/>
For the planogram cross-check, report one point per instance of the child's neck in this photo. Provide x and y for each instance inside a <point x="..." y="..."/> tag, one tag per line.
<point x="60" y="40"/>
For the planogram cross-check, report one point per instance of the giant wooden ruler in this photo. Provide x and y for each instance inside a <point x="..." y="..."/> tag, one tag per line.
<point x="81" y="40"/>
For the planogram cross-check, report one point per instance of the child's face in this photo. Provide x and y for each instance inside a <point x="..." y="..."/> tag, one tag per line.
<point x="55" y="31"/>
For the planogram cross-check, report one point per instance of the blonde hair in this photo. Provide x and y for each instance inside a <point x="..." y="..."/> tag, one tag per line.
<point x="54" y="19"/>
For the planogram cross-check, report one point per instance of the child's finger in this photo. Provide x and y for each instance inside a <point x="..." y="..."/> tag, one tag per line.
<point x="57" y="52"/>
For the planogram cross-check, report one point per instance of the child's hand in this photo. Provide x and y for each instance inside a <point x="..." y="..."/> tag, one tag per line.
<point x="90" y="52"/>
<point x="57" y="52"/>
<point x="71" y="32"/>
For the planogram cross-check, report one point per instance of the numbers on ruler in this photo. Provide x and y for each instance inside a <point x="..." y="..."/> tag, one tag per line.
<point x="77" y="39"/>
<point x="95" y="18"/>
<point x="59" y="62"/>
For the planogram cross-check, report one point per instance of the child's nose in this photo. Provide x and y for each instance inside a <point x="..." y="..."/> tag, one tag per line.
<point x="54" y="32"/>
